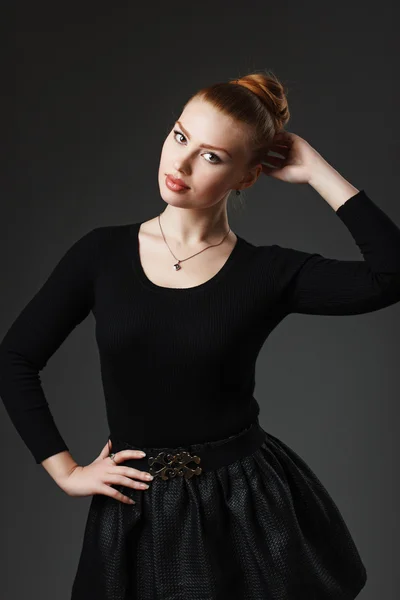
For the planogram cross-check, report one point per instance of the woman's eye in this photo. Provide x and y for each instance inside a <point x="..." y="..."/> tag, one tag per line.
<point x="176" y="132"/>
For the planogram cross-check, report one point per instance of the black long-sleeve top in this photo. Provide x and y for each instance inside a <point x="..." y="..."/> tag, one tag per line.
<point x="178" y="364"/>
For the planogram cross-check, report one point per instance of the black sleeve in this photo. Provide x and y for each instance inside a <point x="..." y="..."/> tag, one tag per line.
<point x="316" y="285"/>
<point x="63" y="301"/>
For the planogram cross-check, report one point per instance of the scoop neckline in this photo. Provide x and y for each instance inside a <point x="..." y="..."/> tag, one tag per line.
<point x="139" y="271"/>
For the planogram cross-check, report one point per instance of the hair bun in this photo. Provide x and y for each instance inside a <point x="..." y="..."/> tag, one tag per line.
<point x="271" y="92"/>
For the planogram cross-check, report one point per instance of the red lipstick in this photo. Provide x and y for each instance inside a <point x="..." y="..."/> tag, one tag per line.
<point x="175" y="185"/>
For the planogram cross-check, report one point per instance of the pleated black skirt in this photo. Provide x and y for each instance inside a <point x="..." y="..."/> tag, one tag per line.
<point x="261" y="528"/>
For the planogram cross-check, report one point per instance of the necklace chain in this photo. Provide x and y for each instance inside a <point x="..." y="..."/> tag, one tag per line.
<point x="177" y="266"/>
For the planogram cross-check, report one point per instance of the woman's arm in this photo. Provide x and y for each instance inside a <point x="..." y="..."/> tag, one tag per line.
<point x="63" y="301"/>
<point x="313" y="284"/>
<point x="309" y="283"/>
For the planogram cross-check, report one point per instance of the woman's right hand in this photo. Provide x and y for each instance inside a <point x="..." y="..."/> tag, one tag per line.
<point x="98" y="476"/>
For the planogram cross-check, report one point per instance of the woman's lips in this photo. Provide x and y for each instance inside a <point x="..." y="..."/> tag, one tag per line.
<point x="175" y="187"/>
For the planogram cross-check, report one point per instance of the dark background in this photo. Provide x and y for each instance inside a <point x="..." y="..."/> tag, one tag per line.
<point x="97" y="88"/>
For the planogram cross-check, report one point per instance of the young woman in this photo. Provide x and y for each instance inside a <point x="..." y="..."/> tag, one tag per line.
<point x="182" y="307"/>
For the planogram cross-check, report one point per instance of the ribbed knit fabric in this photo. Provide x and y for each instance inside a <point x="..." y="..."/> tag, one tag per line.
<point x="178" y="364"/>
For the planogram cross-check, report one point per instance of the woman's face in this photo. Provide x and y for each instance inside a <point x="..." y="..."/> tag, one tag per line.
<point x="187" y="154"/>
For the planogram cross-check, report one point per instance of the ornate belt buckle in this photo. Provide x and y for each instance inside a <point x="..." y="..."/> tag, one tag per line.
<point x="174" y="463"/>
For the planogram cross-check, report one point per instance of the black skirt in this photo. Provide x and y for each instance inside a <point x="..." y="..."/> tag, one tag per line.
<point x="261" y="528"/>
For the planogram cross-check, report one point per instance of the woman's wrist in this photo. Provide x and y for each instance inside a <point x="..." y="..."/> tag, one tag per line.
<point x="331" y="185"/>
<point x="59" y="466"/>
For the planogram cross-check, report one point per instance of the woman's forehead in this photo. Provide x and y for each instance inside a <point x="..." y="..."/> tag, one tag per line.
<point x="202" y="120"/>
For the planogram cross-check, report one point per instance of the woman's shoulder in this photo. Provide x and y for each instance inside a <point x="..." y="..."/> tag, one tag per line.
<point x="98" y="242"/>
<point x="107" y="234"/>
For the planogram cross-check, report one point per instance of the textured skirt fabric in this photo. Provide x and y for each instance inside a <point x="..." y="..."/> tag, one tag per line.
<point x="261" y="528"/>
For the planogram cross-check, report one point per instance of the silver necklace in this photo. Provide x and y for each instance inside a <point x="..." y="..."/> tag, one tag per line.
<point x="177" y="266"/>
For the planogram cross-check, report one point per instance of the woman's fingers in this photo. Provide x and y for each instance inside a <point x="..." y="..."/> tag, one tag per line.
<point x="122" y="475"/>
<point x="285" y="146"/>
<point x="106" y="450"/>
<point x="125" y="454"/>
<point x="274" y="160"/>
<point x="131" y="472"/>
<point x="126" y="481"/>
<point x="106" y="490"/>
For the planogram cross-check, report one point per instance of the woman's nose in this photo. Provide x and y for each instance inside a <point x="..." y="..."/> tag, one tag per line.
<point x="182" y="166"/>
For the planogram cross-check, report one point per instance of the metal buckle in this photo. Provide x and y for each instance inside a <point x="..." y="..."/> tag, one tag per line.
<point x="167" y="460"/>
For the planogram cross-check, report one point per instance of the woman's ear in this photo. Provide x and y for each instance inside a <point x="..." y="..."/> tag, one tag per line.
<point x="250" y="178"/>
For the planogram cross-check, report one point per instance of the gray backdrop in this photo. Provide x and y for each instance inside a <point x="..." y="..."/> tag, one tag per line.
<point x="97" y="90"/>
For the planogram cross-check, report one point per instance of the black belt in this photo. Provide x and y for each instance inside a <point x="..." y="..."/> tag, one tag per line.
<point x="167" y="463"/>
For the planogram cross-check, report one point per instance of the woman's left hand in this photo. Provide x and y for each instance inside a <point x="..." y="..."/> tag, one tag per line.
<point x="299" y="162"/>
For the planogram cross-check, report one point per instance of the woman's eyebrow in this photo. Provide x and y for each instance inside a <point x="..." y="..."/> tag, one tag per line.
<point x="202" y="145"/>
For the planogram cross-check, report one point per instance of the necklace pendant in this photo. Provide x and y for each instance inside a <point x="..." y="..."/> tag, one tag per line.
<point x="177" y="266"/>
